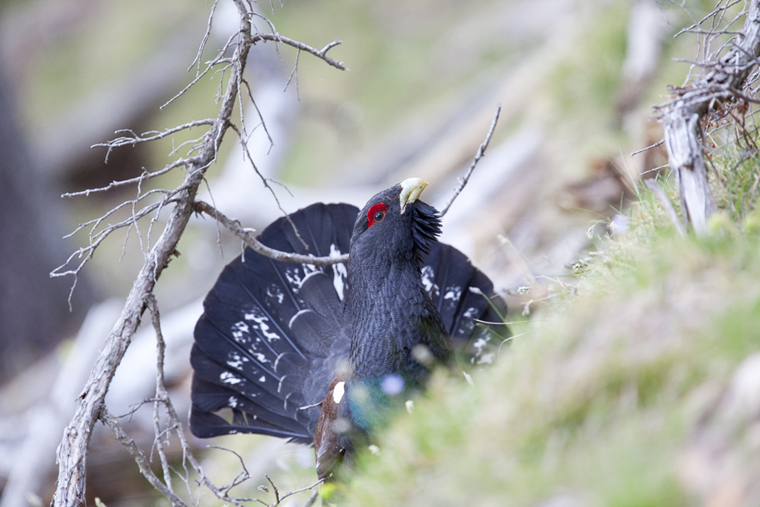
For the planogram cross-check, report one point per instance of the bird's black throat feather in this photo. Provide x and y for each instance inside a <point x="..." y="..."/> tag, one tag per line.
<point x="426" y="227"/>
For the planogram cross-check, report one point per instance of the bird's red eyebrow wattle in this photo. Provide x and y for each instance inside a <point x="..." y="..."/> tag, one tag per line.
<point x="371" y="213"/>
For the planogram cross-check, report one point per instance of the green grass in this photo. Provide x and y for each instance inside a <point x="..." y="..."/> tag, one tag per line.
<point x="597" y="404"/>
<point x="588" y="81"/>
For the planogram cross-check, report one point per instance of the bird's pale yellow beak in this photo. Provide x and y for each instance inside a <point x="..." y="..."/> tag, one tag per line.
<point x="410" y="190"/>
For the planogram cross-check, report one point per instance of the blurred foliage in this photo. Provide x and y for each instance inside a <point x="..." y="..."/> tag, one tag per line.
<point x="588" y="81"/>
<point x="102" y="47"/>
<point x="404" y="57"/>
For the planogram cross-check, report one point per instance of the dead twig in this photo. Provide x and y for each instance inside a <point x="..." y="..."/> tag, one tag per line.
<point x="204" y="40"/>
<point x="319" y="53"/>
<point x="266" y="181"/>
<point x="655" y="145"/>
<point x="142" y="461"/>
<point x="481" y="151"/>
<point x="173" y="424"/>
<point x="133" y="139"/>
<point x="146" y="175"/>
<point x="245" y="235"/>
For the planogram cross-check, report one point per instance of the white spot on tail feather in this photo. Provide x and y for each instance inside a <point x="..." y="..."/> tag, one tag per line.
<point x="340" y="272"/>
<point x="294" y="278"/>
<point x="338" y="391"/>
<point x="427" y="278"/>
<point x="239" y="329"/>
<point x="229" y="378"/>
<point x="428" y="281"/>
<point x="479" y="344"/>
<point x="471" y="312"/>
<point x="487" y="358"/>
<point x="274" y="292"/>
<point x="234" y="360"/>
<point x="453" y="293"/>
<point x="261" y="324"/>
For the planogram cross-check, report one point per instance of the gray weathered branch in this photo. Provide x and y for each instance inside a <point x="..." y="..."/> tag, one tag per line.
<point x="72" y="452"/>
<point x="681" y="119"/>
<point x="244" y="234"/>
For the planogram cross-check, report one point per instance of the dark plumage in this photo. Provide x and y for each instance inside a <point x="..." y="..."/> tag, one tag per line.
<point x="325" y="354"/>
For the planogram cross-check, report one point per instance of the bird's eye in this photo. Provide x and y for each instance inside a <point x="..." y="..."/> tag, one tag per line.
<point x="376" y="214"/>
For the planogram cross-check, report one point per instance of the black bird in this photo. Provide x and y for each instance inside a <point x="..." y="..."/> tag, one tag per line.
<point x="323" y="355"/>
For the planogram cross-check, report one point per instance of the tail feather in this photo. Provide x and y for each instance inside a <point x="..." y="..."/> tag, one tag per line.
<point x="209" y="397"/>
<point x="320" y="291"/>
<point x="232" y="367"/>
<point x="209" y="400"/>
<point x="268" y="343"/>
<point x="273" y="334"/>
<point x="470" y="309"/>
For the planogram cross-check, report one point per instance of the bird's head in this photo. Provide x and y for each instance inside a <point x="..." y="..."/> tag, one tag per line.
<point x="394" y="224"/>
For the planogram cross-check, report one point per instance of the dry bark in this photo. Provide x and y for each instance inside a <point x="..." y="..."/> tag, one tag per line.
<point x="72" y="452"/>
<point x="681" y="118"/>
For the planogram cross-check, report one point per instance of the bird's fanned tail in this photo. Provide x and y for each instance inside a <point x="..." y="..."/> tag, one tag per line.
<point x="273" y="334"/>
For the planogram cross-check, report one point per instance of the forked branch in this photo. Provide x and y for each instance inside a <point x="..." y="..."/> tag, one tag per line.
<point x="725" y="83"/>
<point x="245" y="235"/>
<point x="73" y="450"/>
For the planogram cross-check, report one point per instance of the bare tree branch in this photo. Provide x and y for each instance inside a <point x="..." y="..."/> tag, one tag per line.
<point x="294" y="74"/>
<point x="655" y="145"/>
<point x="174" y="424"/>
<point x="73" y="449"/>
<point x="133" y="139"/>
<point x="244" y="234"/>
<point x="319" y="53"/>
<point x="265" y="181"/>
<point x="146" y="175"/>
<point x="142" y="461"/>
<point x="162" y="396"/>
<point x="682" y="115"/>
<point x="209" y="65"/>
<point x="205" y="40"/>
<point x="96" y="238"/>
<point x="258" y="112"/>
<point x="481" y="151"/>
<point x="72" y="452"/>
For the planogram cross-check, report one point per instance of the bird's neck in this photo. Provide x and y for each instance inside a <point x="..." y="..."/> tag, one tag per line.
<point x="391" y="315"/>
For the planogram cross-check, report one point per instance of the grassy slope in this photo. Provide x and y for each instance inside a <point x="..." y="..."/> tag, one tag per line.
<point x="599" y="403"/>
<point x="605" y="398"/>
